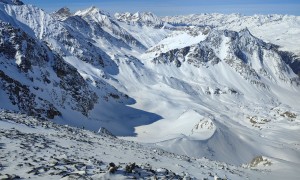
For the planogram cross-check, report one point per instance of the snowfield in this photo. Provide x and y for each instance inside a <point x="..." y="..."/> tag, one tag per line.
<point x="38" y="149"/>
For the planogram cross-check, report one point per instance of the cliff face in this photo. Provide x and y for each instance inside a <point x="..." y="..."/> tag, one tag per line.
<point x="37" y="80"/>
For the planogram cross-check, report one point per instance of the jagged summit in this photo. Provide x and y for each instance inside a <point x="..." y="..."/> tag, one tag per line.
<point x="90" y="11"/>
<point x="62" y="13"/>
<point x="246" y="32"/>
<point x="146" y="18"/>
<point x="13" y="2"/>
<point x="246" y="38"/>
<point x="95" y="14"/>
<point x="64" y="10"/>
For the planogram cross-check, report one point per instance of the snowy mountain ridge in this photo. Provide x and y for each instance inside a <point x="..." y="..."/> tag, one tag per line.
<point x="283" y="26"/>
<point x="199" y="90"/>
<point x="142" y="18"/>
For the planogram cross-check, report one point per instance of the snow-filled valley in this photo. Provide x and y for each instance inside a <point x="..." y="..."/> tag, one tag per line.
<point x="185" y="96"/>
<point x="38" y="149"/>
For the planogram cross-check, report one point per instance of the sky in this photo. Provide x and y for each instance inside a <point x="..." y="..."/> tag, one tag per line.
<point x="177" y="7"/>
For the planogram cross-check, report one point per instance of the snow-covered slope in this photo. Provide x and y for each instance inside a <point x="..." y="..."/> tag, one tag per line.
<point x="214" y="79"/>
<point x="37" y="149"/>
<point x="202" y="91"/>
<point x="96" y="17"/>
<point x="144" y="26"/>
<point x="39" y="54"/>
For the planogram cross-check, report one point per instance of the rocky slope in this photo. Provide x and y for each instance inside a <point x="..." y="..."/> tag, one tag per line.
<point x="44" y="79"/>
<point x="28" y="66"/>
<point x="37" y="149"/>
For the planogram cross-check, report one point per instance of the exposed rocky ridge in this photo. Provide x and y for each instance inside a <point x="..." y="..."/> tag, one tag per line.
<point x="140" y="18"/>
<point x="62" y="13"/>
<point x="196" y="55"/>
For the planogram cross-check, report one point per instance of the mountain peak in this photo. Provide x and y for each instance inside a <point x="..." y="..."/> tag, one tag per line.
<point x="62" y="13"/>
<point x="246" y="34"/>
<point x="246" y="31"/>
<point x="64" y="10"/>
<point x="12" y="2"/>
<point x="90" y="10"/>
<point x="147" y="18"/>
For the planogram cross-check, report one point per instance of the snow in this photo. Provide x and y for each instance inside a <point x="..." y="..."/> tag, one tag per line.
<point x="192" y="111"/>
<point x="274" y="28"/>
<point x="38" y="146"/>
<point x="147" y="35"/>
<point x="18" y="58"/>
<point x="177" y="40"/>
<point x="139" y="18"/>
<point x="189" y="124"/>
<point x="224" y="48"/>
<point x="86" y="70"/>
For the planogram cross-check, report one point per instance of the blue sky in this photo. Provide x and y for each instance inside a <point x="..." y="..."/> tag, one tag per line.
<point x="177" y="7"/>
